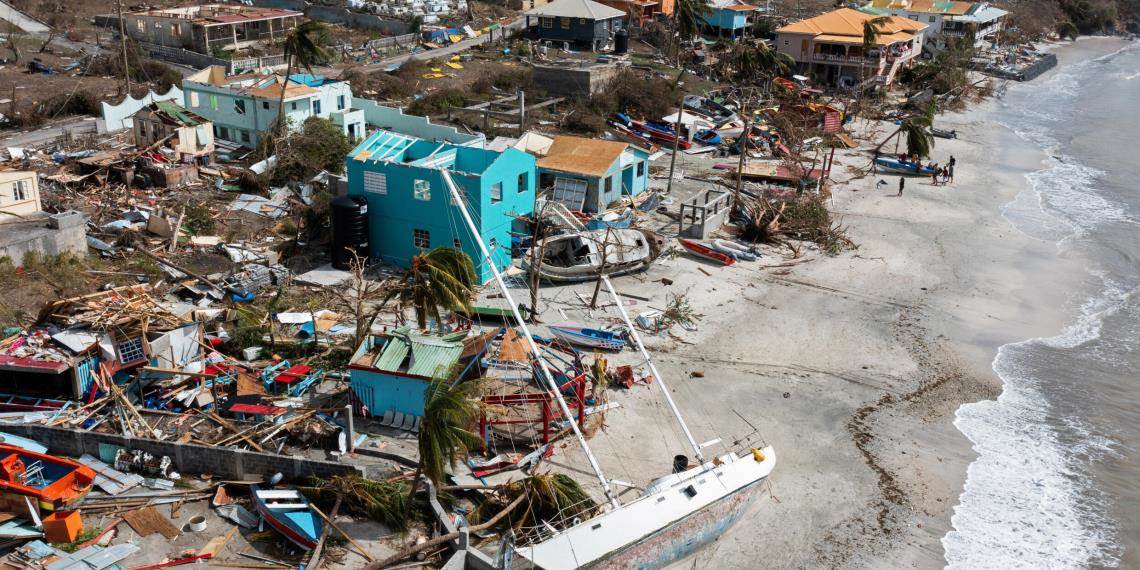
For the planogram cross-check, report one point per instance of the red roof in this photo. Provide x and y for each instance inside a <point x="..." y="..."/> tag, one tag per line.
<point x="257" y="410"/>
<point x="293" y="374"/>
<point x="21" y="364"/>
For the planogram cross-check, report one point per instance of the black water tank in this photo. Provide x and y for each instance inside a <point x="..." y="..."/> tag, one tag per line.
<point x="621" y="42"/>
<point x="349" y="230"/>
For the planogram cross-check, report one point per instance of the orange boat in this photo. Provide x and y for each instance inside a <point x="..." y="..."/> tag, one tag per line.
<point x="53" y="481"/>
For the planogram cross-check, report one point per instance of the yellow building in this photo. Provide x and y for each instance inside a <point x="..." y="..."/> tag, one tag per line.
<point x="19" y="194"/>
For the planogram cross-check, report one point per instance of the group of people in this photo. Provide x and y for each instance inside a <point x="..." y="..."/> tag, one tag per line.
<point x="943" y="174"/>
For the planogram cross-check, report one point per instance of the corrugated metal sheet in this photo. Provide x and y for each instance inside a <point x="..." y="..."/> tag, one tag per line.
<point x="109" y="479"/>
<point x="428" y="354"/>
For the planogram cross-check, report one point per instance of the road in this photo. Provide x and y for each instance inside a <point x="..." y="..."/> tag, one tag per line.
<point x="79" y="125"/>
<point x="452" y="49"/>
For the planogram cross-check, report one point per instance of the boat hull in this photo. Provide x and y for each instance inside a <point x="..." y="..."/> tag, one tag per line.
<point x="705" y="252"/>
<point x="686" y="536"/>
<point x="902" y="167"/>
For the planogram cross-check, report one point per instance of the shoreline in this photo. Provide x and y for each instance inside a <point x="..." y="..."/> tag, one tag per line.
<point x="852" y="366"/>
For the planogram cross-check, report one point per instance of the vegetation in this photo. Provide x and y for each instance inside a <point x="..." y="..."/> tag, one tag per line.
<point x="915" y="130"/>
<point x="553" y="499"/>
<point x="145" y="73"/>
<point x="802" y="216"/>
<point x="443" y="278"/>
<point x="437" y="103"/>
<point x="318" y="145"/>
<point x="634" y="93"/>
<point x="451" y="409"/>
<point x="688" y="17"/>
<point x="382" y="501"/>
<point x="304" y="47"/>
<point x="198" y="219"/>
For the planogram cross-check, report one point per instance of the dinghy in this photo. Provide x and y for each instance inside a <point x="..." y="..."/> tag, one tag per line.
<point x="578" y="256"/>
<point x="705" y="252"/>
<point x="942" y="133"/>
<point x="734" y="249"/>
<point x="617" y="220"/>
<point x="584" y="336"/>
<point x="53" y="481"/>
<point x="289" y="513"/>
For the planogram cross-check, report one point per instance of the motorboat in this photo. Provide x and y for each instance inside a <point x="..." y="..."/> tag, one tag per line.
<point x="706" y="252"/>
<point x="895" y="165"/>
<point x="54" y="482"/>
<point x="580" y="335"/>
<point x="289" y="513"/>
<point x="578" y="256"/>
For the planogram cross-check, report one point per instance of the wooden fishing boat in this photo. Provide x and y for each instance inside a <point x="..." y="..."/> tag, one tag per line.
<point x="903" y="166"/>
<point x="585" y="336"/>
<point x="705" y="252"/>
<point x="660" y="133"/>
<point x="708" y="137"/>
<point x="617" y="220"/>
<point x="944" y="134"/>
<point x="733" y="249"/>
<point x="53" y="481"/>
<point x="579" y="256"/>
<point x="23" y="442"/>
<point x="289" y="513"/>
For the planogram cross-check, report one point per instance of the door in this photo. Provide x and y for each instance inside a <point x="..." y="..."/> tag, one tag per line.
<point x="570" y="192"/>
<point x="804" y="49"/>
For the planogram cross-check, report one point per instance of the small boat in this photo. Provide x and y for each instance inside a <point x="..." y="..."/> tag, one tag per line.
<point x="617" y="220"/>
<point x="289" y="513"/>
<point x="941" y="133"/>
<point x="28" y="444"/>
<point x="903" y="166"/>
<point x="734" y="249"/>
<point x="704" y="251"/>
<point x="660" y="133"/>
<point x="579" y="256"/>
<point x="53" y="481"/>
<point x="585" y="336"/>
<point x="708" y="137"/>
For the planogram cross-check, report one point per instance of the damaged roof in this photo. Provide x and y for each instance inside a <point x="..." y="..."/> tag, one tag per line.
<point x="576" y="9"/>
<point x="172" y="113"/>
<point x="577" y="155"/>
<point x="418" y="355"/>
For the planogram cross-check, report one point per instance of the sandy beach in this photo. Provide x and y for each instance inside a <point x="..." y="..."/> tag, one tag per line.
<point x="851" y="366"/>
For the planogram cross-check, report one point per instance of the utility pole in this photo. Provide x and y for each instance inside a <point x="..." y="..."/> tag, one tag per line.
<point x="123" y="41"/>
<point x="676" y="131"/>
<point x="743" y="150"/>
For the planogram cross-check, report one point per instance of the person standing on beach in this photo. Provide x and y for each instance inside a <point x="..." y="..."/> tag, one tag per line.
<point x="902" y="182"/>
<point x="950" y="171"/>
<point x="934" y="174"/>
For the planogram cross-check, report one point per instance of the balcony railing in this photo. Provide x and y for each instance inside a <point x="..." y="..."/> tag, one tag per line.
<point x="854" y="60"/>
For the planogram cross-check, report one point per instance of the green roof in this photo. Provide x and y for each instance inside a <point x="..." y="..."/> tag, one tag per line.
<point x="428" y="354"/>
<point x="177" y="113"/>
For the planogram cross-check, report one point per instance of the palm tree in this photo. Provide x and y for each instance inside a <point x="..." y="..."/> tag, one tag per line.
<point x="688" y="16"/>
<point x="916" y="131"/>
<point x="443" y="278"/>
<point x="304" y="48"/>
<point x="871" y="30"/>
<point x="451" y="408"/>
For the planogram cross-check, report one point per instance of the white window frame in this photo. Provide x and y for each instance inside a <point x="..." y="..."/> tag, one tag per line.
<point x="421" y="190"/>
<point x="19" y="191"/>
<point x="376" y="182"/>
<point x="496" y="192"/>
<point x="194" y="99"/>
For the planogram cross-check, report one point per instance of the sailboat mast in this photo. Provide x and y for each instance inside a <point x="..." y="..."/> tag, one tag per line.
<point x="458" y="199"/>
<point x="659" y="380"/>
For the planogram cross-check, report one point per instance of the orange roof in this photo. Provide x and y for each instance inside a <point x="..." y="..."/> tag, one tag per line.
<point x="925" y="6"/>
<point x="741" y="8"/>
<point x="848" y="22"/>
<point x="577" y="155"/>
<point x="880" y="40"/>
<point x="274" y="89"/>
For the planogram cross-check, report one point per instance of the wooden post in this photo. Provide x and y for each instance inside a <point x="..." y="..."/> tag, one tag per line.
<point x="743" y="150"/>
<point x="123" y="41"/>
<point x="677" y="131"/>
<point x="351" y="434"/>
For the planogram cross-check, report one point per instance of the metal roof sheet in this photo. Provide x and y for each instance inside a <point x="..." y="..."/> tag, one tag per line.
<point x="577" y="155"/>
<point x="577" y="9"/>
<point x="429" y="354"/>
<point x="848" y="22"/>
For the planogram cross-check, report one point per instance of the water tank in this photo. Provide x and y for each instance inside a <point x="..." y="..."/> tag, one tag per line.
<point x="621" y="42"/>
<point x="349" y="230"/>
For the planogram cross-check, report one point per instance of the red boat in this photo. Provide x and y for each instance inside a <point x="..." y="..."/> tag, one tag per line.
<point x="705" y="252"/>
<point x="660" y="133"/>
<point x="53" y="481"/>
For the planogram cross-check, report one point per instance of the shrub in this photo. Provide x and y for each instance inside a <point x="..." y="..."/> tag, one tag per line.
<point x="437" y="103"/>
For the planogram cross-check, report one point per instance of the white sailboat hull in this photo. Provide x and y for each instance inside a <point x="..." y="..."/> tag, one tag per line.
<point x="661" y="526"/>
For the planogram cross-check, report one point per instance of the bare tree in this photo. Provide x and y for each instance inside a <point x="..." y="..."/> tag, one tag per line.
<point x="361" y="297"/>
<point x="11" y="35"/>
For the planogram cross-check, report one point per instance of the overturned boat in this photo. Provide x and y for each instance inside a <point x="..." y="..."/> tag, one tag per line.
<point x="581" y="256"/>
<point x="895" y="165"/>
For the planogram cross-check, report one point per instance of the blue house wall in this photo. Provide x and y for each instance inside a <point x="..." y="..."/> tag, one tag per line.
<point x="403" y="221"/>
<point x="618" y="180"/>
<point x="731" y="21"/>
<point x="382" y="391"/>
<point x="575" y="30"/>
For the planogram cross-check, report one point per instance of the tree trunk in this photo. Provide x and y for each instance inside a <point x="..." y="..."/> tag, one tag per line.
<point x="282" y="121"/>
<point x="412" y="492"/>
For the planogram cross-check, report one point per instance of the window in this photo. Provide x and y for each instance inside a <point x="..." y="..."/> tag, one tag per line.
<point x="565" y="22"/>
<point x="609" y="184"/>
<point x="421" y="190"/>
<point x="339" y="102"/>
<point x="316" y="106"/>
<point x="913" y="17"/>
<point x="522" y="182"/>
<point x="293" y="106"/>
<point x="214" y="102"/>
<point x="548" y="22"/>
<point x="20" y="191"/>
<point x="239" y="106"/>
<point x="787" y="43"/>
<point x="421" y="239"/>
<point x="140" y="25"/>
<point x="224" y="133"/>
<point x="131" y="351"/>
<point x="265" y="105"/>
<point x="194" y="99"/>
<point x="640" y="168"/>
<point x="176" y="29"/>
<point x="375" y="182"/>
<point x="496" y="192"/>
<point x="245" y="136"/>
<point x="932" y="19"/>
<point x="455" y="243"/>
<point x="582" y="21"/>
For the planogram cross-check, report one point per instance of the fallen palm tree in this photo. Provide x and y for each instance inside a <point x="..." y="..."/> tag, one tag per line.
<point x="802" y="217"/>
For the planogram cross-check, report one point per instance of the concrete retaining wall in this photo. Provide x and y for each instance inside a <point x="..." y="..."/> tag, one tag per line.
<point x="339" y="15"/>
<point x="187" y="458"/>
<point x="564" y="81"/>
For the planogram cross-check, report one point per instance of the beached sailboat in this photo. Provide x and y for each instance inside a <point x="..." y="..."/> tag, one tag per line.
<point x="289" y="513"/>
<point x="53" y="481"/>
<point x="585" y="336"/>
<point x="704" y="251"/>
<point x="674" y="516"/>
<point x="579" y="256"/>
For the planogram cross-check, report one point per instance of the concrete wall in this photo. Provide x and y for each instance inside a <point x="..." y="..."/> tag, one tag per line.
<point x="47" y="235"/>
<point x="564" y="81"/>
<point x="393" y="119"/>
<point x="219" y="105"/>
<point x="187" y="458"/>
<point x="118" y="117"/>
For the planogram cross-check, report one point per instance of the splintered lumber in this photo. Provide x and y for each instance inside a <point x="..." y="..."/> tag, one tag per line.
<point x="217" y="543"/>
<point x="147" y="521"/>
<point x="315" y="559"/>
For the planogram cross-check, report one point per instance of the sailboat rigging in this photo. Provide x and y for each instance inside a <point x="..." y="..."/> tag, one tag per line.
<point x="674" y="515"/>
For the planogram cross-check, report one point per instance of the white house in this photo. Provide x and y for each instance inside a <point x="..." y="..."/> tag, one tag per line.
<point x="946" y="20"/>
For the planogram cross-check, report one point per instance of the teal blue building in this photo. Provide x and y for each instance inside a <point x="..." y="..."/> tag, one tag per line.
<point x="729" y="17"/>
<point x="411" y="210"/>
<point x="389" y="374"/>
